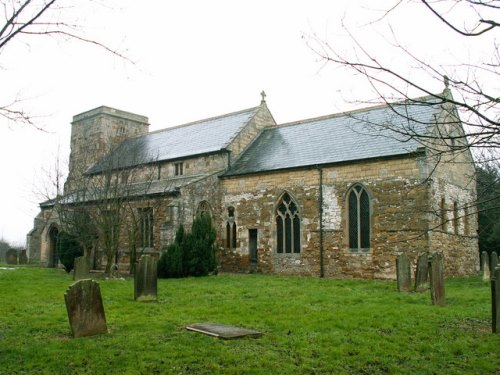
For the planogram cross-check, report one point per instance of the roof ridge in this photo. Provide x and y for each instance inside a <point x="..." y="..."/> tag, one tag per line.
<point x="202" y="120"/>
<point x="359" y="110"/>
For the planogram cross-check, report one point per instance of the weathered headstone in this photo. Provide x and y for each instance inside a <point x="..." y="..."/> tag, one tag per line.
<point x="436" y="275"/>
<point x="23" y="258"/>
<point x="114" y="271"/>
<point x="146" y="279"/>
<point x="403" y="271"/>
<point x="493" y="262"/>
<point x="81" y="268"/>
<point x="85" y="309"/>
<point x="485" y="265"/>
<point x="495" y="301"/>
<point x="422" y="274"/>
<point x="11" y="256"/>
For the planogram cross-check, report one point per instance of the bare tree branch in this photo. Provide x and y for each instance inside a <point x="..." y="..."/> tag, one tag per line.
<point x="39" y="18"/>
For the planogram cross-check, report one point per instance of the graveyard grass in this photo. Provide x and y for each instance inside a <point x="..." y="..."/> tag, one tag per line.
<point x="309" y="326"/>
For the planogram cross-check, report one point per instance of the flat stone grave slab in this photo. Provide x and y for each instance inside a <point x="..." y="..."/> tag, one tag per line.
<point x="223" y="331"/>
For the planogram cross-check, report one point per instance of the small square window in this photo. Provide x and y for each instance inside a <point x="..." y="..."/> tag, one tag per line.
<point x="179" y="169"/>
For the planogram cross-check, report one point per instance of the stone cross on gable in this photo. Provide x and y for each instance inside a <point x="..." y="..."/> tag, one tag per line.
<point x="446" y="81"/>
<point x="263" y="94"/>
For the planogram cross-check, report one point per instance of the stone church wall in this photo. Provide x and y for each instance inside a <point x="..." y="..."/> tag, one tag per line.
<point x="262" y="119"/>
<point x="95" y="133"/>
<point x="400" y="196"/>
<point x="454" y="216"/>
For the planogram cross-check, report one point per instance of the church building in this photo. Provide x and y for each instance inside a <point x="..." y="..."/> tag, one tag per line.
<point x="336" y="196"/>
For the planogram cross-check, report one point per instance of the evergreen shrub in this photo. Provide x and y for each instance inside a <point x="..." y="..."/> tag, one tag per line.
<point x="68" y="248"/>
<point x="191" y="254"/>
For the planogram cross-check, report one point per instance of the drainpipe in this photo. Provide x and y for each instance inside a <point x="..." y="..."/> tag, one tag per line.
<point x="321" y="265"/>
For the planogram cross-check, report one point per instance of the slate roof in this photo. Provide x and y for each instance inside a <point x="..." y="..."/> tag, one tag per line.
<point x="358" y="135"/>
<point x="196" y="138"/>
<point x="140" y="189"/>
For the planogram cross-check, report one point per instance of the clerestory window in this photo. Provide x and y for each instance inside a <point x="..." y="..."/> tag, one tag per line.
<point x="287" y="226"/>
<point x="358" y="207"/>
<point x="179" y="169"/>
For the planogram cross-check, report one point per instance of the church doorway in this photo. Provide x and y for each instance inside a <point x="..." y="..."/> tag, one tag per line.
<point x="252" y="249"/>
<point x="52" y="255"/>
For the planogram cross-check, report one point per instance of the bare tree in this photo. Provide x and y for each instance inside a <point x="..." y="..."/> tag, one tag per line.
<point x="474" y="94"/>
<point x="470" y="96"/>
<point x="109" y="204"/>
<point x="27" y="19"/>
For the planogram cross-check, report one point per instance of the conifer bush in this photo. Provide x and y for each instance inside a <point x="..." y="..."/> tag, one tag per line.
<point x="68" y="248"/>
<point x="191" y="254"/>
<point x="171" y="260"/>
<point x="202" y="247"/>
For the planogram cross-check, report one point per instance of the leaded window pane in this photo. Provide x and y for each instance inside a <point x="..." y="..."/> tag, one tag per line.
<point x="234" y="236"/>
<point x="146" y="226"/>
<point x="353" y="220"/>
<point x="286" y="198"/>
<point x="287" y="226"/>
<point x="279" y="234"/>
<point x="288" y="234"/>
<point x="228" y="235"/>
<point x="296" y="234"/>
<point x="282" y="208"/>
<point x="364" y="216"/>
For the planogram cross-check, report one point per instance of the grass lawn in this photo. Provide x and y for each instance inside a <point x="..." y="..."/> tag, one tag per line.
<point x="309" y="325"/>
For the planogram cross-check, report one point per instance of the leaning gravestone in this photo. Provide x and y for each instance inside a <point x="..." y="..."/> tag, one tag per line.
<point x="422" y="274"/>
<point x="495" y="300"/>
<point x="485" y="265"/>
<point x="436" y="273"/>
<point x="81" y="268"/>
<point x="11" y="256"/>
<point x="403" y="271"/>
<point x="85" y="309"/>
<point x="146" y="279"/>
<point x="493" y="262"/>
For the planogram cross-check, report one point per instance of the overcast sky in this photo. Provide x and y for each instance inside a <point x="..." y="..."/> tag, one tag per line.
<point x="193" y="59"/>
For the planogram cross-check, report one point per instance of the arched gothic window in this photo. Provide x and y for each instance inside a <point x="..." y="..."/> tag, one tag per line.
<point x="204" y="209"/>
<point x="358" y="202"/>
<point x="231" y="229"/>
<point x="287" y="226"/>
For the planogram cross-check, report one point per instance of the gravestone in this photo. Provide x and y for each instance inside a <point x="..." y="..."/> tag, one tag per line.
<point x="146" y="279"/>
<point x="436" y="275"/>
<point x="23" y="258"/>
<point x="11" y="256"/>
<point x="493" y="262"/>
<point x="422" y="273"/>
<point x="403" y="271"/>
<point x="495" y="301"/>
<point x="81" y="268"/>
<point x="485" y="265"/>
<point x="85" y="309"/>
<point x="114" y="271"/>
<point x="223" y="331"/>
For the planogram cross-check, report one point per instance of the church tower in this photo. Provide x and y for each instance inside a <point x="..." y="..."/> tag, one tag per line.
<point x="95" y="133"/>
